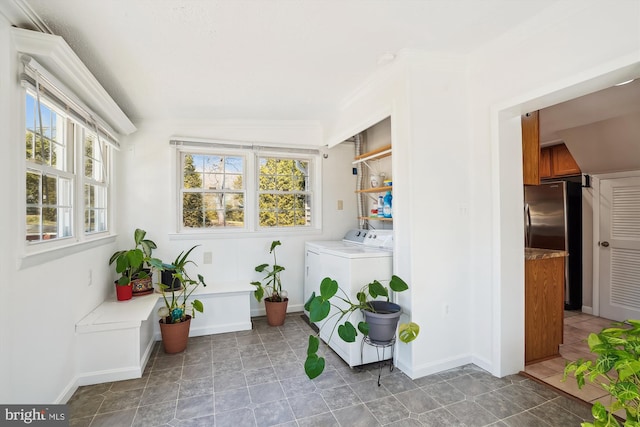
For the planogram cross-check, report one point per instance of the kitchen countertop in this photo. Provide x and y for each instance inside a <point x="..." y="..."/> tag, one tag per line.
<point x="536" y="253"/>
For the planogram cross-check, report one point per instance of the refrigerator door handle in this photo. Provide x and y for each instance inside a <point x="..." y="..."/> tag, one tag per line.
<point x="527" y="225"/>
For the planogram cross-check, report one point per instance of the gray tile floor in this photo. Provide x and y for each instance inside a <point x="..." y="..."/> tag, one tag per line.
<point x="256" y="378"/>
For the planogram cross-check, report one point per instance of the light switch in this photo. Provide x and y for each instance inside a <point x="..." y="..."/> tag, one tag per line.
<point x="208" y="258"/>
<point x="340" y="205"/>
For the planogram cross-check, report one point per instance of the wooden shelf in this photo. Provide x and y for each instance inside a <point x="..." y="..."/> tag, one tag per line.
<point x="378" y="153"/>
<point x="375" y="218"/>
<point x="376" y="189"/>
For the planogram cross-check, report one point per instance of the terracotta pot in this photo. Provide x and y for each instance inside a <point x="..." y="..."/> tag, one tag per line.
<point x="175" y="335"/>
<point x="276" y="311"/>
<point x="142" y="286"/>
<point x="123" y="292"/>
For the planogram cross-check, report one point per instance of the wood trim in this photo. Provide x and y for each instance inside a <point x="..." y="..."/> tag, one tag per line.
<point x="530" y="148"/>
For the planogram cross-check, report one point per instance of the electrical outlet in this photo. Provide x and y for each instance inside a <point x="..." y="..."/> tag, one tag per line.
<point x="207" y="258"/>
<point x="340" y="205"/>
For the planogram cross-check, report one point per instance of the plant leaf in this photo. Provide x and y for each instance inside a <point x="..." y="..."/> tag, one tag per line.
<point x="197" y="305"/>
<point x="347" y="332"/>
<point x="314" y="345"/>
<point x="362" y="297"/>
<point x="259" y="293"/>
<point x="135" y="257"/>
<point x="261" y="267"/>
<point x="377" y="290"/>
<point x="408" y="332"/>
<point x="599" y="412"/>
<point x="318" y="309"/>
<point x="328" y="288"/>
<point x="397" y="284"/>
<point x="307" y="304"/>
<point x="364" y="328"/>
<point x="313" y="366"/>
<point x="274" y="245"/>
<point x="138" y="235"/>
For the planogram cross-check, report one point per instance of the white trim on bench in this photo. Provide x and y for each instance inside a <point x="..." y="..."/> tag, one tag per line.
<point x="115" y="340"/>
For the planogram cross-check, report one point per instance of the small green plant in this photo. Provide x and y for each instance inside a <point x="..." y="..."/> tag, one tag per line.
<point x="271" y="286"/>
<point x="616" y="369"/>
<point x="131" y="264"/>
<point x="319" y="307"/>
<point x="175" y="300"/>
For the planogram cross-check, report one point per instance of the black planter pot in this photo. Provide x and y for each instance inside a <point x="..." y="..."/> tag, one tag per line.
<point x="383" y="322"/>
<point x="167" y="279"/>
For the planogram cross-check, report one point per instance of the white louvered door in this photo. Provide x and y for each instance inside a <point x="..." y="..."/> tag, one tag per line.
<point x="620" y="248"/>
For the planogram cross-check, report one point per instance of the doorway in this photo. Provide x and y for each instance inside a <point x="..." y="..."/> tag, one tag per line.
<point x="509" y="241"/>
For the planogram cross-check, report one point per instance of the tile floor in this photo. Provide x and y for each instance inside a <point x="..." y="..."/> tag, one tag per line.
<point x="577" y="327"/>
<point x="256" y="378"/>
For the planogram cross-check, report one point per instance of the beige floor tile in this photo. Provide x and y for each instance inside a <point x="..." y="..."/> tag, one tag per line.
<point x="587" y="393"/>
<point x="540" y="371"/>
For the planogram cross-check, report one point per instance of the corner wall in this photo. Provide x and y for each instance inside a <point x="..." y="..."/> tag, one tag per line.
<point x="150" y="162"/>
<point x="42" y="303"/>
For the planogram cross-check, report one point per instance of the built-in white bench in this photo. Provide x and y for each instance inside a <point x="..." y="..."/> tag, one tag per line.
<point x="115" y="340"/>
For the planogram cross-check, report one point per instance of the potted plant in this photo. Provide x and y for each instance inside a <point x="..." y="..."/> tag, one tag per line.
<point x="616" y="369"/>
<point x="174" y="319"/>
<point x="133" y="267"/>
<point x="275" y="302"/>
<point x="380" y="317"/>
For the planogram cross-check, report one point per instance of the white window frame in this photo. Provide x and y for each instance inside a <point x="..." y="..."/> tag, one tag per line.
<point x="311" y="185"/>
<point x="74" y="134"/>
<point x="251" y="152"/>
<point x="181" y="153"/>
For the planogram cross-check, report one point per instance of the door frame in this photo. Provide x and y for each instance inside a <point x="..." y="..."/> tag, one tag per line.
<point x="595" y="183"/>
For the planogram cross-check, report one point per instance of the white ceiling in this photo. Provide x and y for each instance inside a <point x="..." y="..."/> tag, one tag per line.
<point x="260" y="59"/>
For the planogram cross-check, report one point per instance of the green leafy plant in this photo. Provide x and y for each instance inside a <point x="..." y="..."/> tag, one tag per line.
<point x="175" y="300"/>
<point x="319" y="308"/>
<point x="270" y="284"/>
<point x="134" y="263"/>
<point x="616" y="369"/>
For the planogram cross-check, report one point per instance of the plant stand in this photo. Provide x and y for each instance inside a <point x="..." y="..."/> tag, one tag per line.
<point x="379" y="346"/>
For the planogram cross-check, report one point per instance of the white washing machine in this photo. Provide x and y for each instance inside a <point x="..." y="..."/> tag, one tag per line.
<point x="361" y="257"/>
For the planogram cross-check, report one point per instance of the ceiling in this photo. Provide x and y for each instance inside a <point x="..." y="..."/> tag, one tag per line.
<point x="299" y="59"/>
<point x="601" y="129"/>
<point x="260" y="59"/>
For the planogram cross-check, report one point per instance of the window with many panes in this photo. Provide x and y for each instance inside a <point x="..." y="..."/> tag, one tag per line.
<point x="284" y="196"/>
<point x="213" y="191"/>
<point x="57" y="146"/>
<point x="244" y="190"/>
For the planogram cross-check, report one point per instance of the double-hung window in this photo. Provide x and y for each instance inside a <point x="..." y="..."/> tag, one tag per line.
<point x="246" y="189"/>
<point x="66" y="165"/>
<point x="284" y="194"/>
<point x="213" y="191"/>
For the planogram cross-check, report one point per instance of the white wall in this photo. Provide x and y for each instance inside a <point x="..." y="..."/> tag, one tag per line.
<point x="461" y="250"/>
<point x="149" y="161"/>
<point x="43" y="302"/>
<point x="554" y="57"/>
<point x="425" y="96"/>
<point x="6" y="165"/>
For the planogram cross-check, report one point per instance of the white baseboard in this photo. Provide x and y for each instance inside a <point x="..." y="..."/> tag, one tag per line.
<point x="587" y="310"/>
<point x="437" y="366"/>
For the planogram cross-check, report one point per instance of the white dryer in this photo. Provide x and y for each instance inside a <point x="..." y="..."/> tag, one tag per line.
<point x="361" y="257"/>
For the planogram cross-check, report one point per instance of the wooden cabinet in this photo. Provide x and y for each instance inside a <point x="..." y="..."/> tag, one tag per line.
<point x="544" y="308"/>
<point x="562" y="161"/>
<point x="545" y="163"/>
<point x="530" y="148"/>
<point x="556" y="161"/>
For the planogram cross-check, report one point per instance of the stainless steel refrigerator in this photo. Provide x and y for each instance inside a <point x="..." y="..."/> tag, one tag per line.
<point x="553" y="220"/>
